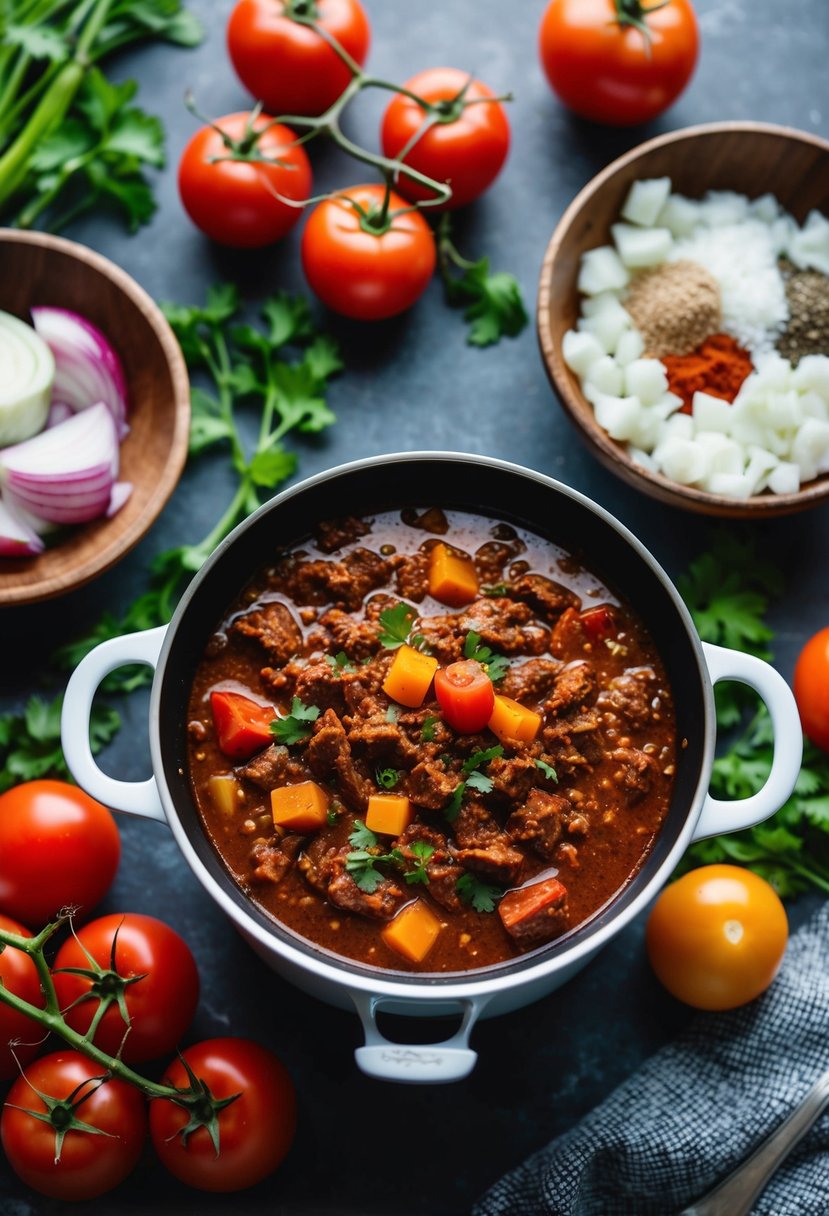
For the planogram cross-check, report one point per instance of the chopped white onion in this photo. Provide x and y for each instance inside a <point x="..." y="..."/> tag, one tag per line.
<point x="87" y="368"/>
<point x="27" y="371"/>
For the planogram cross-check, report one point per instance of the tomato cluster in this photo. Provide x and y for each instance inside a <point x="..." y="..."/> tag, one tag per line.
<point x="367" y="251"/>
<point x="128" y="984"/>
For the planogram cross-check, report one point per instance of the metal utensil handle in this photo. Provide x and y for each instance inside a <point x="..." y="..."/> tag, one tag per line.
<point x="736" y="1195"/>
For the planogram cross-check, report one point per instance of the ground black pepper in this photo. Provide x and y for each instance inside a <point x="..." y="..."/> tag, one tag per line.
<point x="807" y="331"/>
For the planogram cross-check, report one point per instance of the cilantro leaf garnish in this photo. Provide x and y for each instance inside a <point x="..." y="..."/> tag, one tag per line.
<point x="361" y="866"/>
<point x="422" y="852"/>
<point x="483" y="896"/>
<point x="494" y="304"/>
<point x="387" y="778"/>
<point x="366" y="856"/>
<point x="473" y="778"/>
<point x="496" y="666"/>
<point x="339" y="662"/>
<point x="548" y="770"/>
<point x="296" y="725"/>
<point x="453" y="806"/>
<point x="392" y="713"/>
<point x="396" y="625"/>
<point x="427" y="730"/>
<point x="30" y="741"/>
<point x="495" y="589"/>
<point x="480" y="782"/>
<point x="478" y="759"/>
<point x="362" y="837"/>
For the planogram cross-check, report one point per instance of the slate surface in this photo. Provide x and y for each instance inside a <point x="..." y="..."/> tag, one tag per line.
<point x="364" y="1147"/>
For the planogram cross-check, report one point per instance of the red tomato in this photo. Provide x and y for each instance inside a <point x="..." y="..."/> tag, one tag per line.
<point x="811" y="688"/>
<point x="716" y="936"/>
<point x="465" y="695"/>
<point x="242" y="726"/>
<point x="362" y="273"/>
<point x="288" y="66"/>
<point x="89" y="1164"/>
<point x="161" y="1004"/>
<point x="467" y="144"/>
<point x="234" y="201"/>
<point x="604" y="68"/>
<point x="255" y="1131"/>
<point x="58" y="848"/>
<point x="598" y="622"/>
<point x="18" y="975"/>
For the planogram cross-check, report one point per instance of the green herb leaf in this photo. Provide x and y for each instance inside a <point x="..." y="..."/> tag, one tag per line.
<point x="427" y="730"/>
<point x="361" y="866"/>
<point x="479" y="759"/>
<point x="480" y="782"/>
<point x="339" y="662"/>
<point x="548" y="770"/>
<point x="495" y="589"/>
<point x="422" y="851"/>
<point x="296" y="726"/>
<point x="453" y="806"/>
<point x="482" y="896"/>
<point x="494" y="305"/>
<point x="362" y="837"/>
<point x="30" y="740"/>
<point x="496" y="666"/>
<point x="396" y="625"/>
<point x="392" y="713"/>
<point x="387" y="778"/>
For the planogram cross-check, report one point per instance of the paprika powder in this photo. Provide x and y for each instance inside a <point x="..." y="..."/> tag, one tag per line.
<point x="718" y="366"/>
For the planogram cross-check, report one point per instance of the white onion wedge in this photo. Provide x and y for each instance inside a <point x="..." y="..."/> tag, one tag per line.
<point x="27" y="372"/>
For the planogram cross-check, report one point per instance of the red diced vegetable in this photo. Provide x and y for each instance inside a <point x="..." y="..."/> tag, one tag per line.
<point x="599" y="622"/>
<point x="242" y="726"/>
<point x="536" y="913"/>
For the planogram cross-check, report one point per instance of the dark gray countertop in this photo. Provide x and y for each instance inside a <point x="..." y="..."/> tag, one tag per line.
<point x="362" y="1146"/>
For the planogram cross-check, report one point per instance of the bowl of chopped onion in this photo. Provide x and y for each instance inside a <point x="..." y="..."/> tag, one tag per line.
<point x="94" y="415"/>
<point x="683" y="318"/>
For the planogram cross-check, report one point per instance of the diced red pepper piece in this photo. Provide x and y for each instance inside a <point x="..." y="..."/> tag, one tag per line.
<point x="535" y="913"/>
<point x="599" y="622"/>
<point x="242" y="726"/>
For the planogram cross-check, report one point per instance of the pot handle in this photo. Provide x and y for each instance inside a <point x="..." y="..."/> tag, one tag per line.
<point x="133" y="797"/>
<point x="415" y="1064"/>
<point x="720" y="815"/>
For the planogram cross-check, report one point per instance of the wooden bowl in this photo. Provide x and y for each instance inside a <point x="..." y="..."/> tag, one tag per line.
<point x="36" y="268"/>
<point x="751" y="158"/>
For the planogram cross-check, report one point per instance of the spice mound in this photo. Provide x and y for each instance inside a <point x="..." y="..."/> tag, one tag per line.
<point x="717" y="366"/>
<point x="675" y="307"/>
<point x="807" y="332"/>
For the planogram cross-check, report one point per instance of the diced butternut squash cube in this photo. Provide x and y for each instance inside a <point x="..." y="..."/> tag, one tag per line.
<point x="388" y="814"/>
<point x="409" y="676"/>
<point x="224" y="793"/>
<point x="452" y="579"/>
<point x="413" y="931"/>
<point x="300" y="808"/>
<point x="513" y="722"/>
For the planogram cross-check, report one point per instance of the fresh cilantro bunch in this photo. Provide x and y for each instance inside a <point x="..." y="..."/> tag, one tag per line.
<point x="494" y="305"/>
<point x="30" y="740"/>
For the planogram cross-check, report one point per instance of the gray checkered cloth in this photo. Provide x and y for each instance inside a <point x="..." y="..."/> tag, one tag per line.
<point x="696" y="1109"/>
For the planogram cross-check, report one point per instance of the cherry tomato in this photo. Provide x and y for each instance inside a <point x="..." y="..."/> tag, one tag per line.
<point x="716" y="936"/>
<point x="58" y="848"/>
<point x="18" y="975"/>
<point x="242" y="726"/>
<point x="255" y="1131"/>
<point x="160" y="1005"/>
<point x="465" y="146"/>
<point x="465" y="695"/>
<point x="89" y="1164"/>
<point x="288" y="66"/>
<point x="364" y="274"/>
<point x="604" y="67"/>
<point x="234" y="201"/>
<point x="811" y="688"/>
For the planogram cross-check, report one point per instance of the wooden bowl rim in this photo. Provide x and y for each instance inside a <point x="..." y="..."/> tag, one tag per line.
<point x="610" y="452"/>
<point x="105" y="555"/>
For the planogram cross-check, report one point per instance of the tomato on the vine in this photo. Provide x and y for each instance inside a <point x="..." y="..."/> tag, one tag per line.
<point x="234" y="197"/>
<point x="160" y="993"/>
<point x="716" y="936"/>
<point x="465" y="143"/>
<point x="284" y="62"/>
<point x="58" y="848"/>
<point x="362" y="262"/>
<point x="255" y="1130"/>
<point x="811" y="688"/>
<point x="619" y="62"/>
<point x="465" y="695"/>
<point x="87" y="1164"/>
<point x="18" y="975"/>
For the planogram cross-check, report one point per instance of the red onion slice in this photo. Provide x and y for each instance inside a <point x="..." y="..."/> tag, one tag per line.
<point x="17" y="538"/>
<point x="87" y="367"/>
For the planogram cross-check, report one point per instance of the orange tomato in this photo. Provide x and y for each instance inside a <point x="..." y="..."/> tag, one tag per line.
<point x="716" y="936"/>
<point x="811" y="688"/>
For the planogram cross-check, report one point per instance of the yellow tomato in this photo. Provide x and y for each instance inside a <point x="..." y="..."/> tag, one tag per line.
<point x="716" y="937"/>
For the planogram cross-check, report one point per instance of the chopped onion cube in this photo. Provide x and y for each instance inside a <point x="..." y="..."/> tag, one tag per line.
<point x="580" y="351"/>
<point x="601" y="270"/>
<point x="785" y="478"/>
<point x="645" y="200"/>
<point x="647" y="380"/>
<point x="639" y="247"/>
<point x="606" y="376"/>
<point x="618" y="415"/>
<point x="711" y="413"/>
<point x="630" y="347"/>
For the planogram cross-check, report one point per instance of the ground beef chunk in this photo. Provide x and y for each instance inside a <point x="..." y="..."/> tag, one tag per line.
<point x="431" y="520"/>
<point x="413" y="723"/>
<point x="444" y="636"/>
<point x="314" y="864"/>
<point x="272" y="859"/>
<point x="546" y="598"/>
<point x="332" y="534"/>
<point x="271" y="625"/>
<point x="345" y="582"/>
<point x="329" y="755"/>
<point x="630" y="695"/>
<point x="540" y="822"/>
<point x="531" y="681"/>
<point x="382" y="741"/>
<point x="430" y="785"/>
<point x="568" y="640"/>
<point x="411" y="572"/>
<point x="379" y="904"/>
<point x="635" y="773"/>
<point x="535" y="914"/>
<point x="513" y="777"/>
<point x="272" y="767"/>
<point x="574" y="724"/>
<point x="492" y="557"/>
<point x="363" y="688"/>
<point x="481" y="846"/>
<point x="320" y="684"/>
<point x="574" y="687"/>
<point x="505" y="625"/>
<point x="442" y="872"/>
<point x="357" y="639"/>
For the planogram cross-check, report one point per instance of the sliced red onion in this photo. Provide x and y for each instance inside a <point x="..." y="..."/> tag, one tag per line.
<point x="17" y="538"/>
<point x="121" y="492"/>
<point x="59" y="411"/>
<point x="87" y="368"/>
<point x="65" y="475"/>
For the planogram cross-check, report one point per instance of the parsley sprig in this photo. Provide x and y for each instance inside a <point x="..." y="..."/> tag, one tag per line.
<point x="473" y="779"/>
<point x="496" y="666"/>
<point x="339" y="663"/>
<point x="396" y="628"/>
<point x="367" y="854"/>
<point x="30" y="741"/>
<point x="295" y="726"/>
<point x="482" y="896"/>
<point x="494" y="305"/>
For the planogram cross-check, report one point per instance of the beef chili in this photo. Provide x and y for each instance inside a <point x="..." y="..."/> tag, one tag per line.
<point x="430" y="742"/>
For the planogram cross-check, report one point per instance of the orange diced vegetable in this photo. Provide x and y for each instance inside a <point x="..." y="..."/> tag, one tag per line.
<point x="413" y="931"/>
<point x="224" y="793"/>
<point x="410" y="676"/>
<point x="300" y="808"/>
<point x="389" y="814"/>
<point x="512" y="722"/>
<point x="452" y="579"/>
